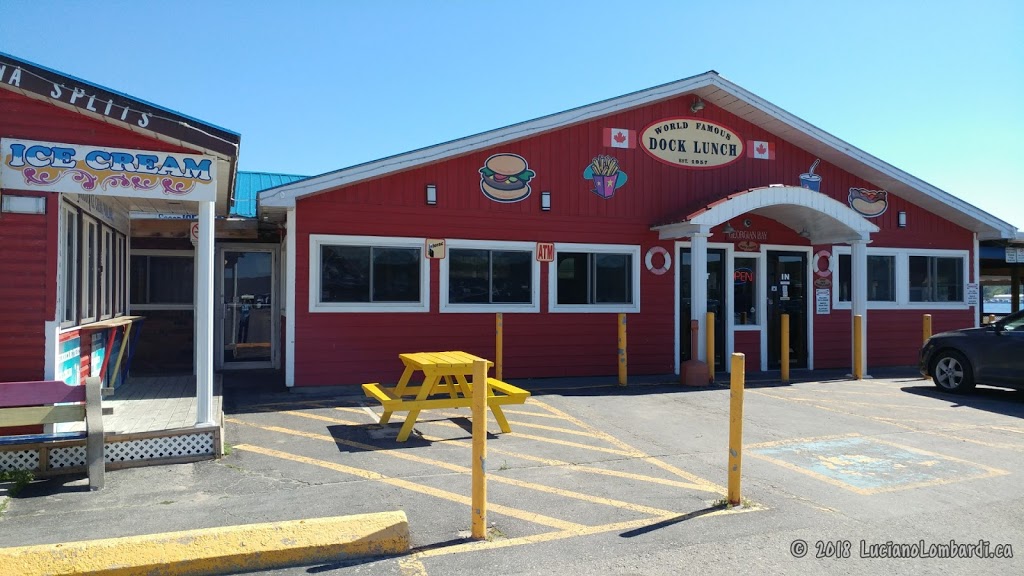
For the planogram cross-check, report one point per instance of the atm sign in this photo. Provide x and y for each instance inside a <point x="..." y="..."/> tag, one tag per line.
<point x="545" y="252"/>
<point x="743" y="276"/>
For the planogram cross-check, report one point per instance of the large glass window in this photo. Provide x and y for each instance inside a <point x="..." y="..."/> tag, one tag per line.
<point x="589" y="277"/>
<point x="351" y="273"/>
<point x="881" y="278"/>
<point x="90" y="268"/>
<point x="936" y="279"/>
<point x="490" y="277"/>
<point x="69" y="267"/>
<point x="745" y="292"/>
<point x="161" y="280"/>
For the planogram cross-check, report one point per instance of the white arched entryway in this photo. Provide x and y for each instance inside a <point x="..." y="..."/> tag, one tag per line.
<point x="815" y="216"/>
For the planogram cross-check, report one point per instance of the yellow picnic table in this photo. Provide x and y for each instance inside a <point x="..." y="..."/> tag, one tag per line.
<point x="444" y="373"/>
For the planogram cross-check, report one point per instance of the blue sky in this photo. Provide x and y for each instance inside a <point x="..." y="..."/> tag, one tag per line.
<point x="932" y="87"/>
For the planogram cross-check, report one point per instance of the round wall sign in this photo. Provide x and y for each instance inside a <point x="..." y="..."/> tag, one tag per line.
<point x="822" y="257"/>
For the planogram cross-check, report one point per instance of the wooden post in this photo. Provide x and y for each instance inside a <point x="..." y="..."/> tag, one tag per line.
<point x="479" y="501"/>
<point x="622" y="350"/>
<point x="784" y="361"/>
<point x="711" y="346"/>
<point x="499" y="344"/>
<point x="927" y="328"/>
<point x="94" y="446"/>
<point x="736" y="426"/>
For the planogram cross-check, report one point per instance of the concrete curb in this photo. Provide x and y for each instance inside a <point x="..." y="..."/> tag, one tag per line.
<point x="217" y="550"/>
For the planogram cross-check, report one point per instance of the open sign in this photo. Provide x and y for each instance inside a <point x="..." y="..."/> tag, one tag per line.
<point x="742" y="276"/>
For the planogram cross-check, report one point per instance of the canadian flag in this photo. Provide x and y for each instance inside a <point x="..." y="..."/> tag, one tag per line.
<point x="761" y="150"/>
<point x="619" y="138"/>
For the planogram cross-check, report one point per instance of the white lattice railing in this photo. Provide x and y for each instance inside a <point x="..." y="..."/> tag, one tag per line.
<point x="120" y="451"/>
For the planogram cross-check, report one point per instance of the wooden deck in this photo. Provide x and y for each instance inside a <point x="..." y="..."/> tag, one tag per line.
<point x="154" y="403"/>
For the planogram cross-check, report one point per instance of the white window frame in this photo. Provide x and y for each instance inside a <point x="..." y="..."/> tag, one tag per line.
<point x="760" y="273"/>
<point x="492" y="245"/>
<point x="318" y="240"/>
<point x="554" y="306"/>
<point x="189" y="254"/>
<point x="902" y="279"/>
<point x="107" y="269"/>
<point x="89" y="278"/>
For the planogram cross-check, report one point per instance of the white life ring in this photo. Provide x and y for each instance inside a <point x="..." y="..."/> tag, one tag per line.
<point x="649" y="260"/>
<point x="817" y="264"/>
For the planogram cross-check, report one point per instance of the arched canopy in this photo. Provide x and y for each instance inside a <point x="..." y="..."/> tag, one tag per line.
<point x="820" y="218"/>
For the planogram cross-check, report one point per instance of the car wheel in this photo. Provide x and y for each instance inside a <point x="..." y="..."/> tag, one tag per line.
<point x="951" y="372"/>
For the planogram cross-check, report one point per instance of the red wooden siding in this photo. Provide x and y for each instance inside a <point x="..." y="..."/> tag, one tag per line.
<point x="28" y="261"/>
<point x="344" y="348"/>
<point x="748" y="343"/>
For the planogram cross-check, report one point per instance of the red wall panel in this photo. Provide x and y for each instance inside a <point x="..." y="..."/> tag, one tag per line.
<point x="344" y="348"/>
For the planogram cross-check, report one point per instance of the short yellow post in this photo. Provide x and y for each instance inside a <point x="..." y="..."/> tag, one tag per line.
<point x="711" y="345"/>
<point x="480" y="391"/>
<point x="784" y="361"/>
<point x="927" y="328"/>
<point x="499" y="343"/>
<point x="736" y="426"/>
<point x="622" y="350"/>
<point x="858" y="351"/>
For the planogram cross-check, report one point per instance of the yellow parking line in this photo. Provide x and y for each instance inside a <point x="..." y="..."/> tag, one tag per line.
<point x="1008" y="429"/>
<point x="531" y="414"/>
<point x="1002" y="445"/>
<point x="802" y="440"/>
<point x="580" y="467"/>
<point x="575" y="444"/>
<point x="325" y="418"/>
<point x="830" y="409"/>
<point x="466" y="470"/>
<point x="411" y="566"/>
<point x="631" y="451"/>
<point x="419" y="488"/>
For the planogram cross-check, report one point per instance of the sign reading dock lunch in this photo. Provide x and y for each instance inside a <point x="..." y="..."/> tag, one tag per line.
<point x="54" y="167"/>
<point x="691" y="143"/>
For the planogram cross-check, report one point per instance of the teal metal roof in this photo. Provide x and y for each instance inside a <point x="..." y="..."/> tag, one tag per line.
<point x="248" y="185"/>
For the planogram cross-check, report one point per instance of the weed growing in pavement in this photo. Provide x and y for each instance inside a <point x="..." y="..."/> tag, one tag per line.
<point x="724" y="503"/>
<point x="20" y="478"/>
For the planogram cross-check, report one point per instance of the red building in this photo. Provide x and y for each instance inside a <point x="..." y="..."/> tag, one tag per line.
<point x="86" y="172"/>
<point x="643" y="197"/>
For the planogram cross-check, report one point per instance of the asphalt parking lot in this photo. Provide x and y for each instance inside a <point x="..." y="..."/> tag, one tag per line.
<point x="601" y="479"/>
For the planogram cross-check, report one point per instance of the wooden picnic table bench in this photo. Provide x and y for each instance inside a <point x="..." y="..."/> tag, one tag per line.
<point x="53" y="402"/>
<point x="444" y="373"/>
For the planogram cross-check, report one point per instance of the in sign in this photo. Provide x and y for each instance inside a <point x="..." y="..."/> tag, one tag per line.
<point x="545" y="252"/>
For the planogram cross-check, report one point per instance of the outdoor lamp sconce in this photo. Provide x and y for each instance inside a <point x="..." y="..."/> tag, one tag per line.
<point x="545" y="201"/>
<point x="901" y="220"/>
<point x="431" y="194"/>
<point x="697" y="105"/>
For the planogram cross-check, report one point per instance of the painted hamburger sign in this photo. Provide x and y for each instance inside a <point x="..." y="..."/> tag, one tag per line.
<point x="691" y="143"/>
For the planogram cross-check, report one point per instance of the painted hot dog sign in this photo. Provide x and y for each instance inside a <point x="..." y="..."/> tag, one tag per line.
<point x="73" y="168"/>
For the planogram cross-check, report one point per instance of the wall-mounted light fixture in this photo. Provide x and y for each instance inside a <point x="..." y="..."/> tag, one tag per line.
<point x="431" y="194"/>
<point x="545" y="201"/>
<point x="728" y="229"/>
<point x="901" y="219"/>
<point x="697" y="105"/>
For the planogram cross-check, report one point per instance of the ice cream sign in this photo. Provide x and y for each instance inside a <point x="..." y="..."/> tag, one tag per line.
<point x="691" y="143"/>
<point x="72" y="168"/>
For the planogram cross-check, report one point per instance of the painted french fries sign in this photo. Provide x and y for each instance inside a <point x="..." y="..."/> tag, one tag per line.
<point x="691" y="143"/>
<point x="106" y="171"/>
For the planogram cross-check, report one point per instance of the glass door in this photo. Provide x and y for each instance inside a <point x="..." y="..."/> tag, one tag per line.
<point x="716" y="302"/>
<point x="247" y="305"/>
<point x="787" y="294"/>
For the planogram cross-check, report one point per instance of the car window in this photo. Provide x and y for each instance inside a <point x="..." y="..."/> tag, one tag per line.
<point x="1016" y="324"/>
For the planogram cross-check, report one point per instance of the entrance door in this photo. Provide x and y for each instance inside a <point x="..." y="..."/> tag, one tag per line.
<point x="247" y="306"/>
<point x="716" y="302"/>
<point x="787" y="294"/>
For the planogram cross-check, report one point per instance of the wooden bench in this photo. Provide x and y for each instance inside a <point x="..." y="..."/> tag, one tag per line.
<point x="53" y="402"/>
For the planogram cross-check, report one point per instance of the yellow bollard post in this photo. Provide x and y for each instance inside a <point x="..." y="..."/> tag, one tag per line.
<point x="784" y="361"/>
<point x="736" y="426"/>
<point x="858" y="364"/>
<point x="499" y="343"/>
<point x="711" y="346"/>
<point x="479" y="501"/>
<point x="622" y="350"/>
<point x="927" y="329"/>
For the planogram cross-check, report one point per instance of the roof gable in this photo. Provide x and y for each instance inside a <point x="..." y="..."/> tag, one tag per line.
<point x="713" y="89"/>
